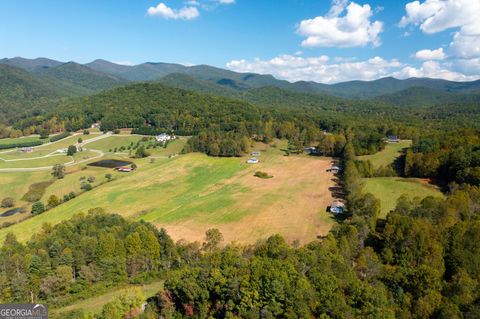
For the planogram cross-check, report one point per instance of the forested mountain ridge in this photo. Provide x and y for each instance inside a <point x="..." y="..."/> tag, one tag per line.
<point x="21" y="92"/>
<point x="242" y="81"/>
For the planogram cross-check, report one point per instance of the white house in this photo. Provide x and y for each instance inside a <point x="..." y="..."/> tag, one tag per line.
<point x="162" y="138"/>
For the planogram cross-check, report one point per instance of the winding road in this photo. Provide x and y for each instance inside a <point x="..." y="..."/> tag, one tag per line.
<point x="44" y="168"/>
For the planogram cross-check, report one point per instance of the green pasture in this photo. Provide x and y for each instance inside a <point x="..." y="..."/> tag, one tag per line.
<point x="389" y="190"/>
<point x="388" y="155"/>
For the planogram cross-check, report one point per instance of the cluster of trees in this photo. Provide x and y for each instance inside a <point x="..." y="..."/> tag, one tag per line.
<point x="421" y="262"/>
<point x="218" y="144"/>
<point x="450" y="156"/>
<point x="80" y="257"/>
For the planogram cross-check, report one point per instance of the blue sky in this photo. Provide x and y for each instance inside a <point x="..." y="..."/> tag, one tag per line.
<point x="321" y="40"/>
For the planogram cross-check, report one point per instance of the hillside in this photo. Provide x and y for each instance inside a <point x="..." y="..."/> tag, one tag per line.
<point x="20" y="91"/>
<point x="30" y="64"/>
<point x="79" y="77"/>
<point x="423" y="96"/>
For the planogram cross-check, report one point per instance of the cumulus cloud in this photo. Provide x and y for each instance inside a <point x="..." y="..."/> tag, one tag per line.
<point x="324" y="69"/>
<point x="426" y="54"/>
<point x="226" y="1"/>
<point x="319" y="69"/>
<point x="433" y="16"/>
<point x="352" y="29"/>
<point x="163" y="11"/>
<point x="433" y="69"/>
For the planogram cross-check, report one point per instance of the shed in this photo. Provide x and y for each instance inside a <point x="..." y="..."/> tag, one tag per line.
<point x="337" y="207"/>
<point x="252" y="160"/>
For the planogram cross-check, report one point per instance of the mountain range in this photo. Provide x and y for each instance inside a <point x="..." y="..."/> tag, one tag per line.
<point x="46" y="78"/>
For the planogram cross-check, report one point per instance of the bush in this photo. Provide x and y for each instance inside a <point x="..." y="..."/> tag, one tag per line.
<point x="86" y="186"/>
<point x="86" y="132"/>
<point x="59" y="137"/>
<point x="262" y="175"/>
<point x="38" y="208"/>
<point x="91" y="179"/>
<point x="72" y="149"/>
<point x="8" y="202"/>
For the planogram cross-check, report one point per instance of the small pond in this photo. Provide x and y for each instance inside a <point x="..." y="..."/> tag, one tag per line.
<point x="110" y="163"/>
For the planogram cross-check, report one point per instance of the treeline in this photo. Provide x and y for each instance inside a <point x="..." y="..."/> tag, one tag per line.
<point x="21" y="144"/>
<point x="449" y="156"/>
<point x="421" y="262"/>
<point x="150" y="108"/>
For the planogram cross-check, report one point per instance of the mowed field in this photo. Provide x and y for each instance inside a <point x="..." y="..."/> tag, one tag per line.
<point x="191" y="193"/>
<point x="388" y="155"/>
<point x="94" y="305"/>
<point x="389" y="190"/>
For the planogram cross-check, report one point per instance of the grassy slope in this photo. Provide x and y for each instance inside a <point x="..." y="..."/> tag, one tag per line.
<point x="388" y="155"/>
<point x="389" y="189"/>
<point x="191" y="193"/>
<point x="19" y="140"/>
<point x="94" y="305"/>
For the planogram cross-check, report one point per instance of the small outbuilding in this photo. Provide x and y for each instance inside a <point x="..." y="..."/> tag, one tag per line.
<point x="337" y="207"/>
<point x="124" y="169"/>
<point x="334" y="169"/>
<point x="393" y="139"/>
<point x="256" y="153"/>
<point x="252" y="160"/>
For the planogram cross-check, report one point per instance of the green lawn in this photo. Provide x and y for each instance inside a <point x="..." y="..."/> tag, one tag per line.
<point x="25" y="139"/>
<point x="94" y="305"/>
<point x="388" y="155"/>
<point x="389" y="189"/>
<point x="112" y="142"/>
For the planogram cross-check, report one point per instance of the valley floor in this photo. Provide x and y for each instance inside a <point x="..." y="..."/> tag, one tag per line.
<point x="188" y="194"/>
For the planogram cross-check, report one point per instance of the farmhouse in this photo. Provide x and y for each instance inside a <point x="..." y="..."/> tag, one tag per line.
<point x="96" y="125"/>
<point x="393" y="139"/>
<point x="162" y="138"/>
<point x="252" y="160"/>
<point x="337" y="207"/>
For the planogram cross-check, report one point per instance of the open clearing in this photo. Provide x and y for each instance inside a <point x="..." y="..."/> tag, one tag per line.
<point x="191" y="193"/>
<point x="389" y="189"/>
<point x="388" y="155"/>
<point x="94" y="305"/>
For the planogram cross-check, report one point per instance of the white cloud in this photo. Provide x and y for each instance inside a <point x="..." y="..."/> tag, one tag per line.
<point x="350" y="30"/>
<point x="128" y="63"/>
<point x="319" y="69"/>
<point x="433" y="69"/>
<point x="331" y="70"/>
<point x="433" y="16"/>
<point x="426" y="54"/>
<point x="226" y="1"/>
<point x="163" y="11"/>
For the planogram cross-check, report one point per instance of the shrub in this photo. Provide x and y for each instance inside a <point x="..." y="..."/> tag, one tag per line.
<point x="262" y="175"/>
<point x="72" y="149"/>
<point x="8" y="202"/>
<point x="38" y="208"/>
<point x="86" y="186"/>
<point x="91" y="179"/>
<point x="59" y="137"/>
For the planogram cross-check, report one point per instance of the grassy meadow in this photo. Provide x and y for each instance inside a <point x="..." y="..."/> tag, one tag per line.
<point x="191" y="193"/>
<point x="94" y="305"/>
<point x="388" y="155"/>
<point x="389" y="190"/>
